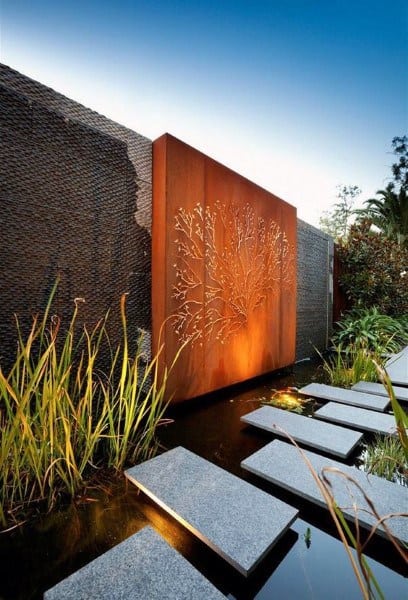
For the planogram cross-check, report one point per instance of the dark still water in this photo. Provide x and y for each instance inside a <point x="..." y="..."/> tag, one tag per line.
<point x="308" y="562"/>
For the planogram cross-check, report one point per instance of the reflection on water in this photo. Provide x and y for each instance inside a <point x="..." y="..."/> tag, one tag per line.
<point x="308" y="562"/>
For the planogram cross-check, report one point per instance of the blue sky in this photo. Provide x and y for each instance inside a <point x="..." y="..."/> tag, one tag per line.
<point x="297" y="95"/>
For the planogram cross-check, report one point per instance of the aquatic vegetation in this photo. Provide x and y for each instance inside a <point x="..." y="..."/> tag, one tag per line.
<point x="385" y="457"/>
<point x="345" y="368"/>
<point x="61" y="417"/>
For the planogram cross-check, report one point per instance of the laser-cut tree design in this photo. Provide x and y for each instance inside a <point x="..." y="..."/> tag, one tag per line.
<point x="229" y="260"/>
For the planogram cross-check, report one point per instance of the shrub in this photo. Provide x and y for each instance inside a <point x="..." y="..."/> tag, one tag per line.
<point x="374" y="271"/>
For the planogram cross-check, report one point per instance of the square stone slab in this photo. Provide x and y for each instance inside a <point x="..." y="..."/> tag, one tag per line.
<point x="238" y="521"/>
<point x="282" y="464"/>
<point x="143" y="567"/>
<point x="337" y="394"/>
<point x="367" y="420"/>
<point x="378" y="389"/>
<point x="324" y="436"/>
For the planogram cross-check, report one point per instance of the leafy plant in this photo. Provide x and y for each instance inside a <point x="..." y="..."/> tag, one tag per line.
<point x="370" y="329"/>
<point x="61" y="417"/>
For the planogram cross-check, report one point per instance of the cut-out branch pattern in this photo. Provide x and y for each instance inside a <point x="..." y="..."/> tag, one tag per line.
<point x="228" y="262"/>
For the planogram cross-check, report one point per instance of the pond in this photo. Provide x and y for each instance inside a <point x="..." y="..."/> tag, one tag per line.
<point x="308" y="562"/>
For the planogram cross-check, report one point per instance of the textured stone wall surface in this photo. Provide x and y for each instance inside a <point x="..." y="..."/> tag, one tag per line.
<point x="75" y="202"/>
<point x="314" y="290"/>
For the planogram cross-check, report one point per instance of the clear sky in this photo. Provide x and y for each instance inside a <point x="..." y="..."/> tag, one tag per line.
<point x="297" y="95"/>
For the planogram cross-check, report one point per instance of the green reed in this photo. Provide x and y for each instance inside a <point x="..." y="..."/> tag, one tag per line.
<point x="345" y="368"/>
<point x="61" y="417"/>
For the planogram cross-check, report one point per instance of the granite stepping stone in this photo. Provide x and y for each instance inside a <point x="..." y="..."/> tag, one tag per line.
<point x="323" y="436"/>
<point x="397" y="368"/>
<point x="378" y="389"/>
<point x="237" y="520"/>
<point x="143" y="567"/>
<point x="367" y="420"/>
<point x="282" y="464"/>
<point x="337" y="394"/>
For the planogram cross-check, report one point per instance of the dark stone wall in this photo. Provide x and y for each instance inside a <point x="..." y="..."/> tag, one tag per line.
<point x="315" y="290"/>
<point x="75" y="202"/>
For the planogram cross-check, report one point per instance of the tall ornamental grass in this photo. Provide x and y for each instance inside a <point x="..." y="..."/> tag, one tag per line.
<point x="61" y="417"/>
<point x="345" y="367"/>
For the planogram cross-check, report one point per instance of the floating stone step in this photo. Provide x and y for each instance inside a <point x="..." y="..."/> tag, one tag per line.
<point x="397" y="368"/>
<point x="367" y="420"/>
<point x="324" y="436"/>
<point x="282" y="464"/>
<point x="378" y="389"/>
<point x="337" y="394"/>
<point x="238" y="521"/>
<point x="143" y="567"/>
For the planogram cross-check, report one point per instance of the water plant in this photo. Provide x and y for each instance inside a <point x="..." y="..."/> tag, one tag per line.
<point x="385" y="457"/>
<point x="61" y="417"/>
<point x="345" y="367"/>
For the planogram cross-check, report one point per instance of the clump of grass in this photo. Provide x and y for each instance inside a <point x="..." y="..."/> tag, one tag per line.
<point x="385" y="457"/>
<point x="61" y="417"/>
<point x="344" y="368"/>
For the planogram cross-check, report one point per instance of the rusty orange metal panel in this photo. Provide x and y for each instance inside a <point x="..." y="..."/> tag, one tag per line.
<point x="224" y="272"/>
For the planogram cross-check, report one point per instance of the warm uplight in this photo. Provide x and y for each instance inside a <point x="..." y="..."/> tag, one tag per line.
<point x="288" y="399"/>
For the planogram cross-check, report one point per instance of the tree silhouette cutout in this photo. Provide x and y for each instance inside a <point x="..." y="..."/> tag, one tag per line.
<point x="228" y="262"/>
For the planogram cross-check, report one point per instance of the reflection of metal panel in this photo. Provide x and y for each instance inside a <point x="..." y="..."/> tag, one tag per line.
<point x="224" y="272"/>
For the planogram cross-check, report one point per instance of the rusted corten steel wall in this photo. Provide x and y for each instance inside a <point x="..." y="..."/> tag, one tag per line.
<point x="75" y="202"/>
<point x="223" y="272"/>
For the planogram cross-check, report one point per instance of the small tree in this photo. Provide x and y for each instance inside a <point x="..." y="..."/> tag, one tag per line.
<point x="336" y="221"/>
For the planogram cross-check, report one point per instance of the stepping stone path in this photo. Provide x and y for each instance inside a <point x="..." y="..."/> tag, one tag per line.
<point x="143" y="567"/>
<point x="379" y="390"/>
<point x="367" y="420"/>
<point x="336" y="394"/>
<point x="397" y="368"/>
<point x="324" y="436"/>
<point x="238" y="521"/>
<point x="282" y="464"/>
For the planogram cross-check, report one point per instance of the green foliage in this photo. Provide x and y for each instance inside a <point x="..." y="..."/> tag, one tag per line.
<point x="385" y="457"/>
<point x="61" y="417"/>
<point x="344" y="368"/>
<point x="389" y="213"/>
<point x="368" y="328"/>
<point x="374" y="271"/>
<point x="400" y="168"/>
<point x="336" y="222"/>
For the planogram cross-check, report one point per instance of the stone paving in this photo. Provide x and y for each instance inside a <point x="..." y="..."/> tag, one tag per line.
<point x="397" y="368"/>
<point x="368" y="420"/>
<point x="378" y="389"/>
<point x="282" y="464"/>
<point x="143" y="567"/>
<point x="317" y="434"/>
<point x="237" y="520"/>
<point x="337" y="394"/>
